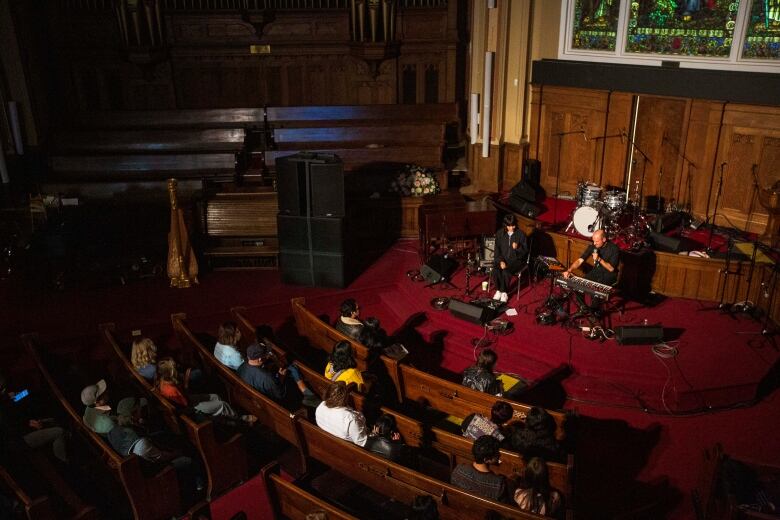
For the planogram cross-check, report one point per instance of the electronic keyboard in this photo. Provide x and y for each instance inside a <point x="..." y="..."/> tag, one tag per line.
<point x="575" y="283"/>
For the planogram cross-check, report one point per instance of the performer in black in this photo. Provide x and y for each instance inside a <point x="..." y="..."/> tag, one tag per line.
<point x="606" y="257"/>
<point x="511" y="250"/>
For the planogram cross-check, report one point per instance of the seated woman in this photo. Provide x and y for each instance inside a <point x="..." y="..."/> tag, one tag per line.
<point x="226" y="350"/>
<point x="373" y="335"/>
<point x="143" y="356"/>
<point x="537" y="437"/>
<point x="481" y="376"/>
<point x="476" y="425"/>
<point x="534" y="493"/>
<point x="385" y="441"/>
<point x="511" y="251"/>
<point x="335" y="417"/>
<point x="207" y="404"/>
<point x="342" y="365"/>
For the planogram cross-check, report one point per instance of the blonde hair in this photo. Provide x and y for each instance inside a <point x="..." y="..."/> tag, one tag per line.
<point x="144" y="352"/>
<point x="229" y="334"/>
<point x="166" y="371"/>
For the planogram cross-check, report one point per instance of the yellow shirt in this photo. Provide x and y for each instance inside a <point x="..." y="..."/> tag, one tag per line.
<point x="350" y="375"/>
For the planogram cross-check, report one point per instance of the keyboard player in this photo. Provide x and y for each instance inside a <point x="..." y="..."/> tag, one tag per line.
<point x="605" y="256"/>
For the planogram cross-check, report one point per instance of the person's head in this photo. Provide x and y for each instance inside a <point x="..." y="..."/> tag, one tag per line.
<point x="599" y="238"/>
<point x="95" y="395"/>
<point x="536" y="476"/>
<point x="167" y="371"/>
<point x="539" y="421"/>
<point x="228" y="334"/>
<point x="130" y="410"/>
<point x="336" y="395"/>
<point x="349" y="308"/>
<point x="487" y="359"/>
<point x="486" y="450"/>
<point x="144" y="352"/>
<point x="423" y="508"/>
<point x="257" y="353"/>
<point x="501" y="412"/>
<point x="510" y="222"/>
<point x="385" y="426"/>
<point x="342" y="357"/>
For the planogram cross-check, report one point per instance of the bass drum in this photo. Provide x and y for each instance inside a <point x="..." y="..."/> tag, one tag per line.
<point x="586" y="219"/>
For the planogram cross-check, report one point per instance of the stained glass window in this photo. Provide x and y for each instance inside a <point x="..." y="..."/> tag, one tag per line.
<point x="682" y="27"/>
<point x="595" y="24"/>
<point x="762" y="38"/>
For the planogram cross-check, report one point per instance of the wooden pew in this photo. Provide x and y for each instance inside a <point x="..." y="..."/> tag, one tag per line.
<point x="418" y="435"/>
<point x="424" y="134"/>
<point x="357" y="158"/>
<point x="150" y="497"/>
<point x="322" y="336"/>
<point x="168" y="119"/>
<point x="269" y="413"/>
<point x="225" y="462"/>
<point x="412" y="384"/>
<point x="142" y="166"/>
<point x="291" y="502"/>
<point x="396" y="481"/>
<point x="149" y="141"/>
<point x="39" y="508"/>
<point x="284" y="117"/>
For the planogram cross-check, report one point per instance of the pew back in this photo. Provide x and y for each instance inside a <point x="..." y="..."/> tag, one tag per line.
<point x="39" y="508"/>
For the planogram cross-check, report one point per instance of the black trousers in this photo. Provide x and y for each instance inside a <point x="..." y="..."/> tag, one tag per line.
<point x="503" y="277"/>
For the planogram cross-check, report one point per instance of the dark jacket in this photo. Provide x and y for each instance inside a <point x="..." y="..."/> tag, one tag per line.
<point x="480" y="379"/>
<point x="394" y="451"/>
<point x="349" y="329"/>
<point x="504" y="250"/>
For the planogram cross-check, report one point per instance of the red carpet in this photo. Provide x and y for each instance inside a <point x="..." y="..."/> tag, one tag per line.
<point x="627" y="457"/>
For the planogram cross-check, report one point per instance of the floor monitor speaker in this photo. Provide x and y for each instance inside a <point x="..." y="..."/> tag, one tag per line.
<point x="470" y="312"/>
<point x="438" y="268"/>
<point x="639" y="334"/>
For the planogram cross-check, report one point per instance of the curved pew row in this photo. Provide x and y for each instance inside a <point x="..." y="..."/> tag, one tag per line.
<point x="412" y="384"/>
<point x="225" y="462"/>
<point x="388" y="478"/>
<point x="150" y="497"/>
<point x="290" y="501"/>
<point x="39" y="508"/>
<point x="417" y="434"/>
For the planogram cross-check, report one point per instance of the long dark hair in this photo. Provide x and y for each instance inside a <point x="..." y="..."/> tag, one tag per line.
<point x="538" y="481"/>
<point x="342" y="357"/>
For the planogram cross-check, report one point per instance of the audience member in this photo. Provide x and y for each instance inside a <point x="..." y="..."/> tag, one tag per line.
<point x="226" y="350"/>
<point x="349" y="322"/>
<point x="477" y="477"/>
<point x="423" y="508"/>
<point x="127" y="439"/>
<point x="481" y="376"/>
<point x="335" y="417"/>
<point x="97" y="413"/>
<point x="385" y="440"/>
<point x="534" y="494"/>
<point x="476" y="425"/>
<point x="16" y="428"/>
<point x="207" y="404"/>
<point x="373" y="336"/>
<point x="537" y="437"/>
<point x="342" y="365"/>
<point x="262" y="372"/>
<point x="143" y="356"/>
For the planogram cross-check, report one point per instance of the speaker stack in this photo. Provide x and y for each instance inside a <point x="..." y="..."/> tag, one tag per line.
<point x="524" y="195"/>
<point x="311" y="224"/>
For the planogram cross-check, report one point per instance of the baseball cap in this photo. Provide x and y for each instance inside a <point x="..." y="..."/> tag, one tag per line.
<point x="90" y="394"/>
<point x="257" y="351"/>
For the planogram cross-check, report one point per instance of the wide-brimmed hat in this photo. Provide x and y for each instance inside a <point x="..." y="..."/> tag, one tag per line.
<point x="90" y="394"/>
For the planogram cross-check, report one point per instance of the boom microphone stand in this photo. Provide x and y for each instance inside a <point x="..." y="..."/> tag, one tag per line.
<point x="644" y="165"/>
<point x="715" y="210"/>
<point x="558" y="174"/>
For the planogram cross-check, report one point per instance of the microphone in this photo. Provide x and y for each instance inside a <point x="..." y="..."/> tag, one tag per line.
<point x="765" y="289"/>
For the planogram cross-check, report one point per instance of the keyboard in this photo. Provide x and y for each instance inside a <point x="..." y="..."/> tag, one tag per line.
<point x="575" y="283"/>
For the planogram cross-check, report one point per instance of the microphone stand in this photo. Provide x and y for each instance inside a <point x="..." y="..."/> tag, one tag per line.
<point x="644" y="165"/>
<point x="685" y="159"/>
<point x="715" y="210"/>
<point x="558" y="176"/>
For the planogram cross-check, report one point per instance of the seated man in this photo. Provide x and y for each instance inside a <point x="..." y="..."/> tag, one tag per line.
<point x="477" y="477"/>
<point x="349" y="322"/>
<point x="606" y="257"/>
<point x="262" y="372"/>
<point x="481" y="376"/>
<point x="97" y="414"/>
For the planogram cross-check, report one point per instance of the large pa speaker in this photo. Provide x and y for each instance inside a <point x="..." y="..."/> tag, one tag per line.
<point x="312" y="251"/>
<point x="639" y="334"/>
<point x="524" y="190"/>
<point x="310" y="184"/>
<point x="471" y="312"/>
<point x="438" y="268"/>
<point x="321" y="234"/>
<point x="315" y="268"/>
<point x="532" y="171"/>
<point x="524" y="207"/>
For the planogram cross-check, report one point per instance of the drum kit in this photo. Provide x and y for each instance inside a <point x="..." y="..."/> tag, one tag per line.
<point x="621" y="219"/>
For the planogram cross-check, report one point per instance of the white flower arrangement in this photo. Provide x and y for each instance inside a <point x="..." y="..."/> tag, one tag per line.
<point x="415" y="181"/>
